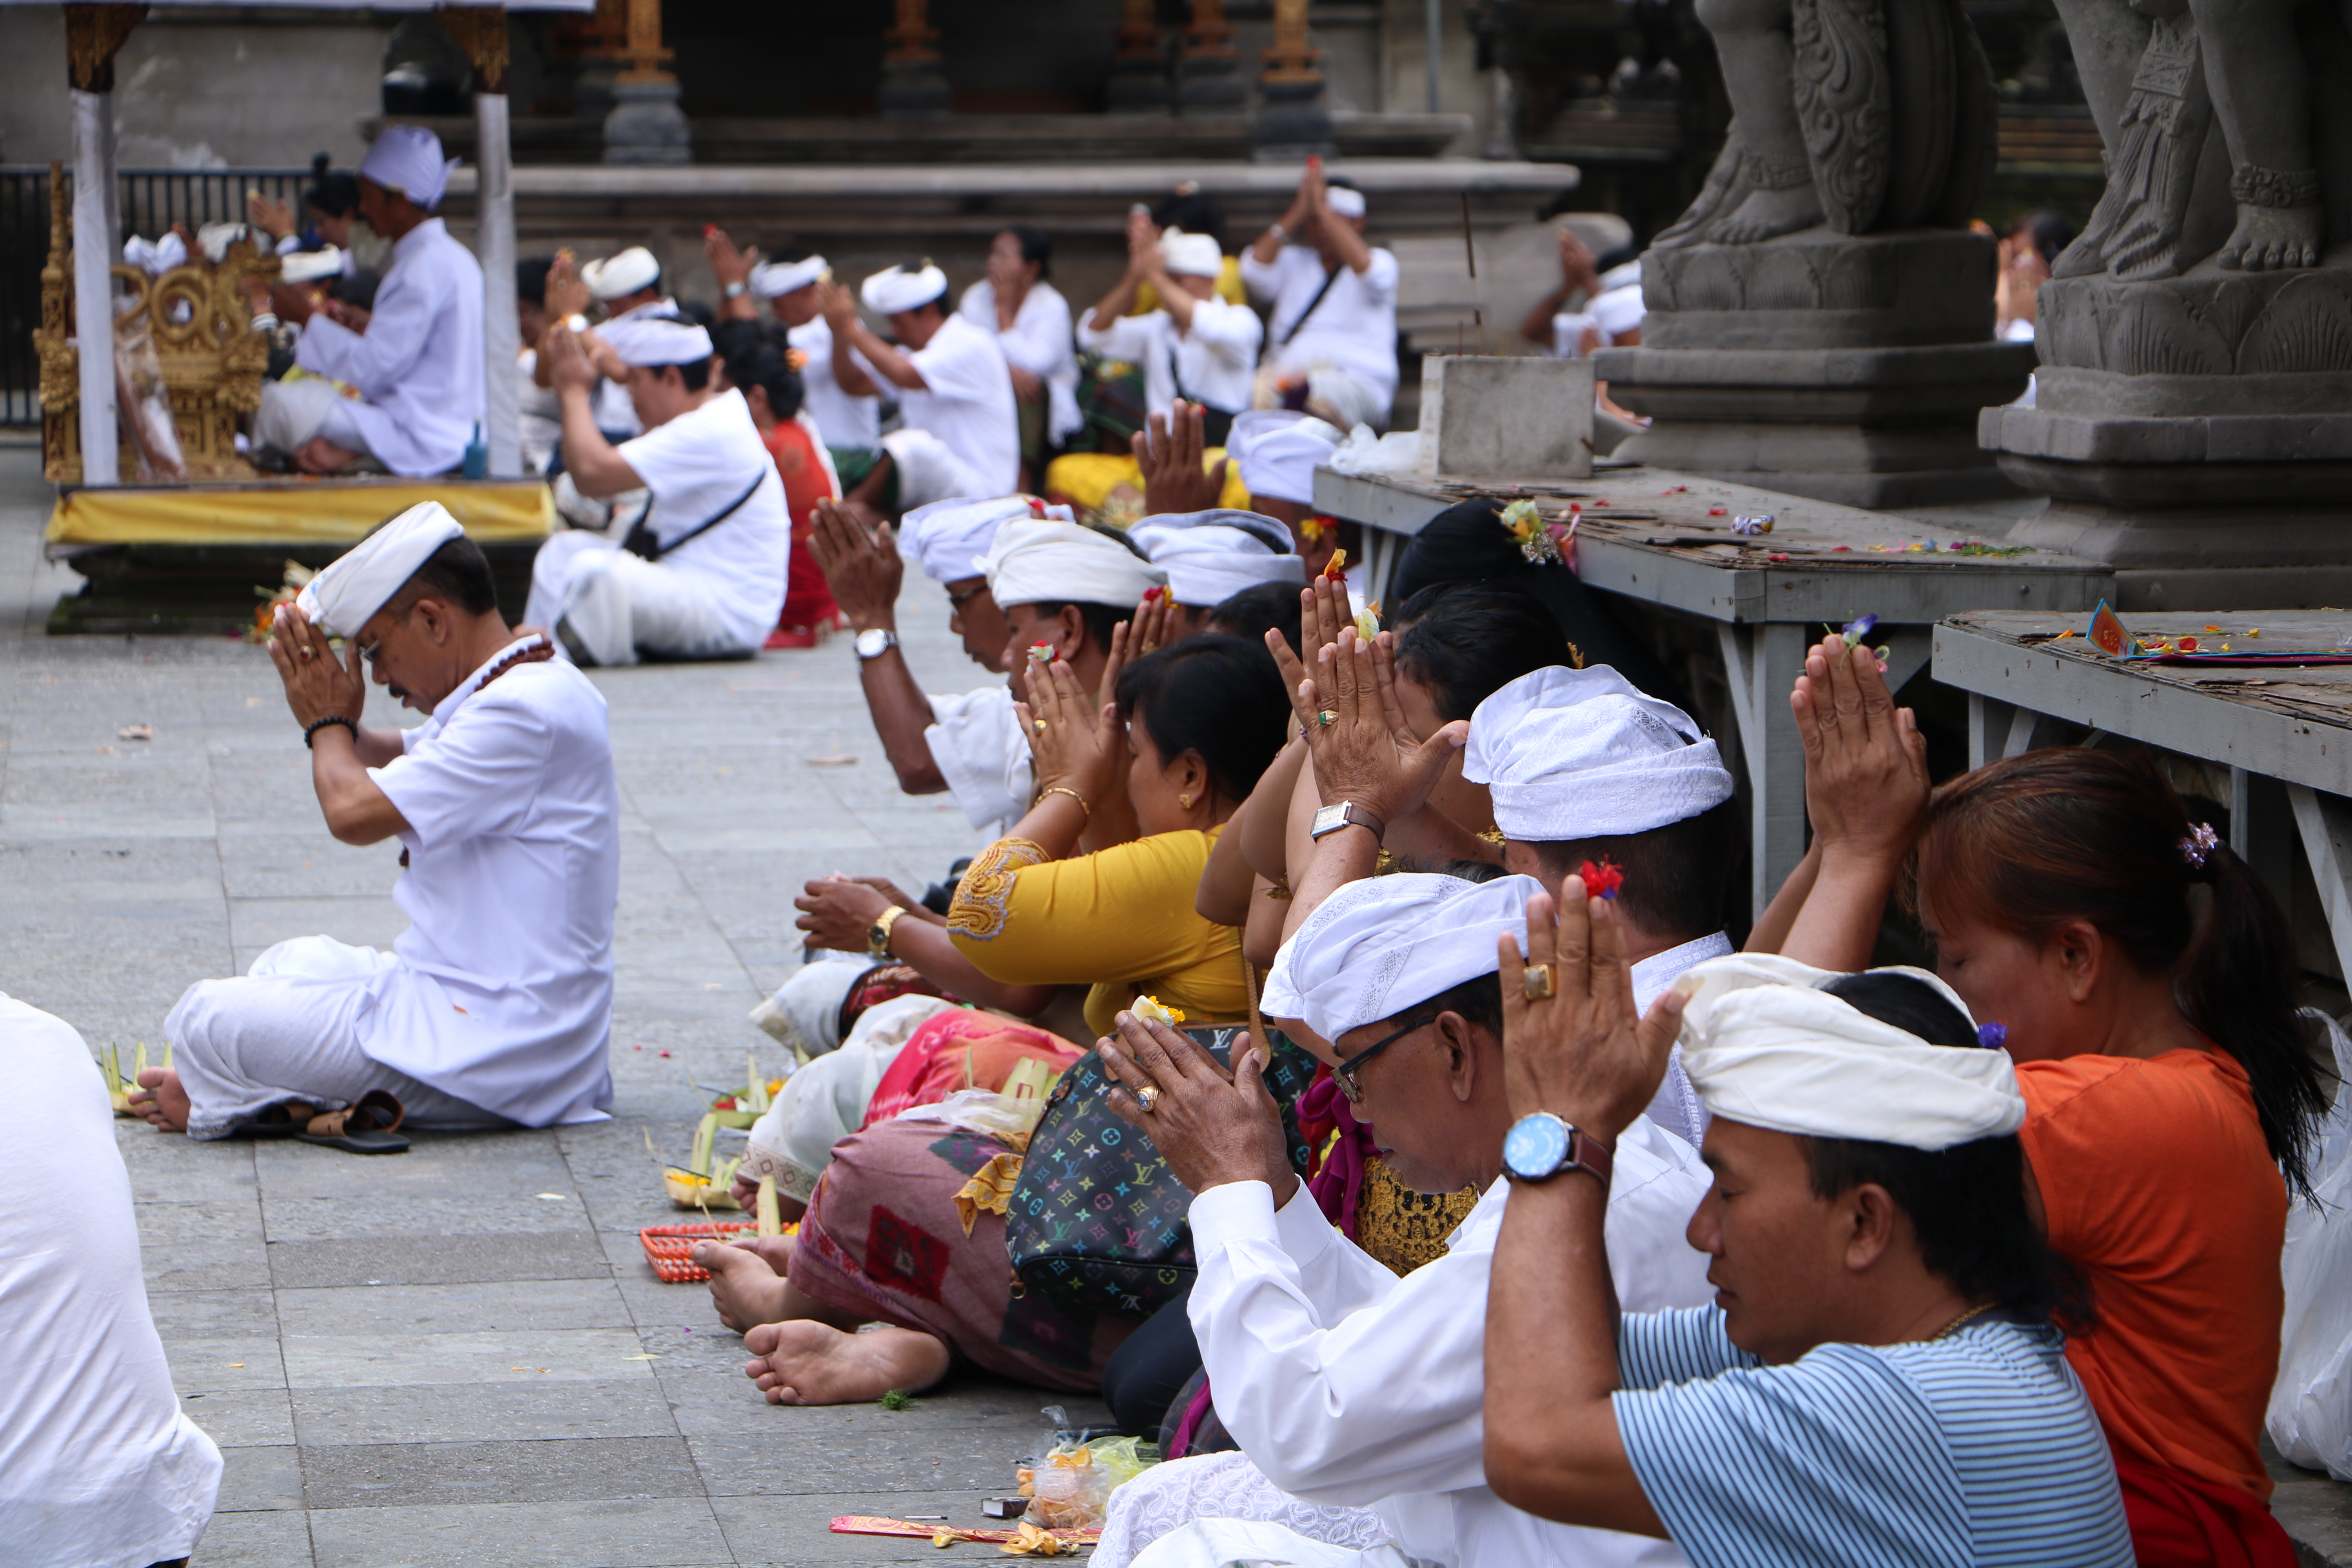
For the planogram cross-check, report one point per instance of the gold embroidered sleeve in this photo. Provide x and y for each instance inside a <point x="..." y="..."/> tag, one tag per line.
<point x="984" y="896"/>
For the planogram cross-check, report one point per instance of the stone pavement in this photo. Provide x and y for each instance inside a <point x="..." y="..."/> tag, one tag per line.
<point x="458" y="1355"/>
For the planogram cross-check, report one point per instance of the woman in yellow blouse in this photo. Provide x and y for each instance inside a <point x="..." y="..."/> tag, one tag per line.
<point x="1192" y="727"/>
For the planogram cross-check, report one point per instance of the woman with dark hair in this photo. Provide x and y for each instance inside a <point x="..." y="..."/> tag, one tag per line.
<point x="2144" y="980"/>
<point x="330" y="211"/>
<point x="1032" y="324"/>
<point x="1470" y="544"/>
<point x="760" y="361"/>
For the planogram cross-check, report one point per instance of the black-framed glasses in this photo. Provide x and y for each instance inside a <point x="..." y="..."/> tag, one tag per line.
<point x="958" y="601"/>
<point x="1344" y="1075"/>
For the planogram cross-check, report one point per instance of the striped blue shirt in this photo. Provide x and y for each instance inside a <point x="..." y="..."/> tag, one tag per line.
<point x="1980" y="1449"/>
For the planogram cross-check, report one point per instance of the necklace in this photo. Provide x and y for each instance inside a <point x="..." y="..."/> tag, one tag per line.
<point x="1971" y="1313"/>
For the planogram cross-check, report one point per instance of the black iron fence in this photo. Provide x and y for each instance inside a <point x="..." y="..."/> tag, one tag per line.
<point x="153" y="200"/>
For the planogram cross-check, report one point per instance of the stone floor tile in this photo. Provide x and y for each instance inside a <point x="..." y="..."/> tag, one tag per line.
<point x="225" y="1365"/>
<point x="435" y="1259"/>
<point x="215" y="1314"/>
<point x="259" y="1479"/>
<point x="398" y="1475"/>
<point x="792" y="1459"/>
<point x="794" y="1531"/>
<point x="657" y="1532"/>
<point x="383" y="1360"/>
<point x="242" y="1418"/>
<point x="177" y="1265"/>
<point x="268" y="1539"/>
<point x="501" y="1306"/>
<point x="514" y="1205"/>
<point x="481" y="1413"/>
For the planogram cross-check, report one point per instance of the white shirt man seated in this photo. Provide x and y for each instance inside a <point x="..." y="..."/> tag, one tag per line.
<point x="960" y="434"/>
<point x="850" y="423"/>
<point x="1195" y="346"/>
<point x="98" y="1465"/>
<point x="626" y="287"/>
<point x="1347" y="1387"/>
<point x="1331" y="334"/>
<point x="418" y="368"/>
<point x="698" y="571"/>
<point x="495" y="1008"/>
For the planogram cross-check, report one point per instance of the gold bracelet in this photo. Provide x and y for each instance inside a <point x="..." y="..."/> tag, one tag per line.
<point x="1074" y="794"/>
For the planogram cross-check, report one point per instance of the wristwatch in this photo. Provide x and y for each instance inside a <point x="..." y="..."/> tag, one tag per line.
<point x="1539" y="1146"/>
<point x="735" y="290"/>
<point x="874" y="642"/>
<point x="1329" y="819"/>
<point x="878" y="935"/>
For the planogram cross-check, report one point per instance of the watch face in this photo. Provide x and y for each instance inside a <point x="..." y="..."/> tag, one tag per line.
<point x="1328" y="820"/>
<point x="1536" y="1146"/>
<point x="872" y="642"/>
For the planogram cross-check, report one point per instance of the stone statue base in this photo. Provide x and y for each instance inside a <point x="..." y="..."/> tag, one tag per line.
<point x="913" y="89"/>
<point x="647" y="126"/>
<point x="1139" y="84"/>
<point x="1292" y="122"/>
<point x="2200" y="421"/>
<point x="1847" y="368"/>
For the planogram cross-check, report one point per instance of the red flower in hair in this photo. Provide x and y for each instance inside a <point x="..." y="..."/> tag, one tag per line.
<point x="1602" y="880"/>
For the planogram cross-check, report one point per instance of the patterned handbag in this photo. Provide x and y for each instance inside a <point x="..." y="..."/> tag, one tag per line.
<point x="1097" y="1219"/>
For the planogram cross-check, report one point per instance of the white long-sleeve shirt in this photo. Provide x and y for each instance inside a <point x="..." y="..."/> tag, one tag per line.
<point x="981" y="749"/>
<point x="1346" y="1384"/>
<point x="1211" y="362"/>
<point x="1039" y="342"/>
<point x="845" y="419"/>
<point x="1353" y="327"/>
<point x="419" y="366"/>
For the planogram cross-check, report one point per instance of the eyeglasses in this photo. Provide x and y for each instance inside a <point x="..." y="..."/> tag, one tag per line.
<point x="958" y="601"/>
<point x="1344" y="1075"/>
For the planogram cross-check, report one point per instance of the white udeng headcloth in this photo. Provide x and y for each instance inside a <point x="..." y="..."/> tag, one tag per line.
<point x="1277" y="450"/>
<point x="614" y="276"/>
<point x="1190" y="254"/>
<point x="1047" y="559"/>
<point x="895" y="290"/>
<point x="655" y="341"/>
<point x="1582" y="754"/>
<point x="773" y="279"/>
<point x="1765" y="1045"/>
<point x="362" y="580"/>
<point x="1345" y="201"/>
<point x="1380" y="946"/>
<point x="1210" y="556"/>
<point x="950" y="538"/>
<point x="407" y="158"/>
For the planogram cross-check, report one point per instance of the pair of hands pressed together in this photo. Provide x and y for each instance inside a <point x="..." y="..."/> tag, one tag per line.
<point x="1082" y="746"/>
<point x="861" y="564"/>
<point x="1866" y="783"/>
<point x="1367" y="754"/>
<point x="318" y="684"/>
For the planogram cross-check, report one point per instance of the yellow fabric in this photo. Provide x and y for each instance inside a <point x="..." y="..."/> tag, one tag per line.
<point x="294" y="511"/>
<point x="1229" y="290"/>
<point x="1120" y="920"/>
<point x="990" y="1189"/>
<point x="1085" y="480"/>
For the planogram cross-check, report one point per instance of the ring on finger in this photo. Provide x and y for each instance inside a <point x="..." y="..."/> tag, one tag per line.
<point x="1328" y="716"/>
<point x="1041" y="725"/>
<point x="1537" y="983"/>
<point x="1149" y="1097"/>
<point x="304" y="652"/>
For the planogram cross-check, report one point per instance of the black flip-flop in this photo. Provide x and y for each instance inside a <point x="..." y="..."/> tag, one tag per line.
<point x="284" y="1120"/>
<point x="369" y="1126"/>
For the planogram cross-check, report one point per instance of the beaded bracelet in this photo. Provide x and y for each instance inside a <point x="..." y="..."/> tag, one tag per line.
<point x="310" y="731"/>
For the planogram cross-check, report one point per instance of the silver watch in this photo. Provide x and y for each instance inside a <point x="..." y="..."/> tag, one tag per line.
<point x="874" y="642"/>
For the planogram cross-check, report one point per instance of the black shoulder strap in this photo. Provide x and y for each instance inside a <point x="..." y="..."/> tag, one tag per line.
<point x="642" y="540"/>
<point x="1329" y="278"/>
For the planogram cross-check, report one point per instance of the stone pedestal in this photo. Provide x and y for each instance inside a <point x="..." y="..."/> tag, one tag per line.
<point x="1210" y="84"/>
<point x="2197" y="423"/>
<point x="913" y="89"/>
<point x="1139" y="84"/>
<point x="647" y="126"/>
<point x="1850" y="368"/>
<point x="1292" y="122"/>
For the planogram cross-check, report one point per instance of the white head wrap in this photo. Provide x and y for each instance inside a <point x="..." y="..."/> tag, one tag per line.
<point x="895" y="290"/>
<point x="1765" y="1045"/>
<point x="1210" y="556"/>
<point x="950" y="538"/>
<point x="1277" y="450"/>
<point x="1344" y="201"/>
<point x="657" y="340"/>
<point x="616" y="276"/>
<point x="1383" y="945"/>
<point x="310" y="265"/>
<point x="407" y="158"/>
<point x="773" y="279"/>
<point x="1190" y="254"/>
<point x="1049" y="559"/>
<point x="1580" y="753"/>
<point x="155" y="256"/>
<point x="362" y="580"/>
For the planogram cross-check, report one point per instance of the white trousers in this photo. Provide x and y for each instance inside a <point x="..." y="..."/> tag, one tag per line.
<point x="289" y="1029"/>
<point x="1190" y="1510"/>
<point x="928" y="471"/>
<point x="612" y="602"/>
<point x="293" y="412"/>
<point x="1337" y="396"/>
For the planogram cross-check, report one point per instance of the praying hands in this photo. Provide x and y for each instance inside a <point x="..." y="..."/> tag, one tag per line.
<point x="1212" y="1126"/>
<point x="1573" y="1042"/>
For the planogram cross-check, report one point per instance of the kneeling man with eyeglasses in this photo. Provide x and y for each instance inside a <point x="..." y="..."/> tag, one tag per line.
<point x="495" y="1008"/>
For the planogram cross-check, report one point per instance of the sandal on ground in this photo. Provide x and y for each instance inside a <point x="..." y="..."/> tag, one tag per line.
<point x="284" y="1120"/>
<point x="370" y="1126"/>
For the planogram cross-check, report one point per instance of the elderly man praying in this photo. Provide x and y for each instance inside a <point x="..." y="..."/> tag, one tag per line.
<point x="495" y="1008"/>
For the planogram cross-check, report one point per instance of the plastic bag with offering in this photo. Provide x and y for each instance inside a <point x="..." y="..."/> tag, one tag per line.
<point x="1069" y="1485"/>
<point x="144" y="403"/>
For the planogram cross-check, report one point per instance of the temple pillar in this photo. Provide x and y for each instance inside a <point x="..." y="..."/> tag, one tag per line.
<point x="1209" y="71"/>
<point x="647" y="126"/>
<point x="481" y="31"/>
<point x="600" y="41"/>
<point x="914" y="85"/>
<point x="93" y="35"/>
<point x="1138" y="69"/>
<point x="1291" y="122"/>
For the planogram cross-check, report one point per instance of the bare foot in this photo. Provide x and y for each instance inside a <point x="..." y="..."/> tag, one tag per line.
<point x="776" y="1249"/>
<point x="320" y="456"/>
<point x="805" y="1363"/>
<point x="1765" y="214"/>
<point x="2275" y="239"/>
<point x="160" y="1099"/>
<point x="746" y="1288"/>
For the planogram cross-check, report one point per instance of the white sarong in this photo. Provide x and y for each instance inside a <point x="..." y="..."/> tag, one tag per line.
<point x="929" y="471"/>
<point x="605" y="604"/>
<point x="294" y="412"/>
<point x="289" y="1029"/>
<point x="1226" y="1489"/>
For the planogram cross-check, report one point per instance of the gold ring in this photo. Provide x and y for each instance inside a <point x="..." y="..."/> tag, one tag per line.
<point x="1041" y="725"/>
<point x="302" y="652"/>
<point x="1328" y="716"/>
<point x="1150" y="1097"/>
<point x="1536" y="982"/>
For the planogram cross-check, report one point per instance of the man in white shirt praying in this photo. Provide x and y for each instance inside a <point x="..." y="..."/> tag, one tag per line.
<point x="1195" y="346"/>
<point x="495" y="1008"/>
<point x="1348" y="1388"/>
<point x="700" y="572"/>
<point x="849" y="425"/>
<point x="1031" y="321"/>
<point x="961" y="438"/>
<point x="1331" y="336"/>
<point x="418" y="369"/>
<point x="626" y="287"/>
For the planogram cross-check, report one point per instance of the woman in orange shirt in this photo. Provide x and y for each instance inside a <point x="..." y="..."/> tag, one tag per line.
<point x="767" y="368"/>
<point x="2144" y="982"/>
